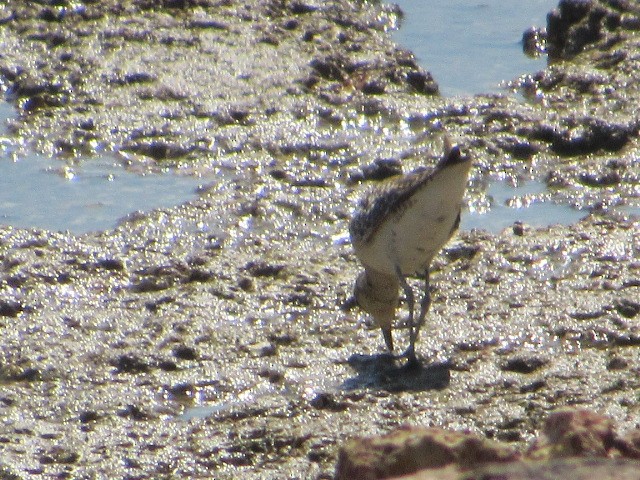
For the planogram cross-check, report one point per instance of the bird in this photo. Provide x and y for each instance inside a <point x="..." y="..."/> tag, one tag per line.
<point x="397" y="229"/>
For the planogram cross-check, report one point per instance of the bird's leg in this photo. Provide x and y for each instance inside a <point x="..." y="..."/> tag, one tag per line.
<point x="424" y="308"/>
<point x="425" y="303"/>
<point x="408" y="292"/>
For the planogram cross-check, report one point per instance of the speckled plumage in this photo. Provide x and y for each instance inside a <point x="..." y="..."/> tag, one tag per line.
<point x="388" y="198"/>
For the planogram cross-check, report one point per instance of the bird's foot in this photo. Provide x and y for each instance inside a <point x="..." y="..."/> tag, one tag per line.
<point x="410" y="355"/>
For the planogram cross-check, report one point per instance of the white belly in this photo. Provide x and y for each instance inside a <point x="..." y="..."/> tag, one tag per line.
<point x="411" y="237"/>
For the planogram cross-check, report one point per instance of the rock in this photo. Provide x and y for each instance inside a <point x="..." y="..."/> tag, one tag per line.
<point x="523" y="364"/>
<point x="129" y="364"/>
<point x="567" y="469"/>
<point x="534" y="41"/>
<point x="422" y="82"/>
<point x="260" y="268"/>
<point x="185" y="353"/>
<point x="9" y="308"/>
<point x="410" y="449"/>
<point x="627" y="308"/>
<point x="380" y="169"/>
<point x="570" y="432"/>
<point x="415" y="453"/>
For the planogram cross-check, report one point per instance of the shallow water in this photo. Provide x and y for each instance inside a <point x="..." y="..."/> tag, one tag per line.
<point x="93" y="195"/>
<point x="472" y="46"/>
<point x="524" y="203"/>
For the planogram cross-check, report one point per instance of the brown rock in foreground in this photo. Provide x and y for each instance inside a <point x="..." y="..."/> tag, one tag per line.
<point x="570" y="433"/>
<point x="432" y="453"/>
<point x="408" y="450"/>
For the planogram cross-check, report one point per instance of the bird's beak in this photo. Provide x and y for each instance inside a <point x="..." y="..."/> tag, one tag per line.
<point x="388" y="338"/>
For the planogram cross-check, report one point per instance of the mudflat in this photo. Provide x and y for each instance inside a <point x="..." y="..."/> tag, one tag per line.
<point x="216" y="339"/>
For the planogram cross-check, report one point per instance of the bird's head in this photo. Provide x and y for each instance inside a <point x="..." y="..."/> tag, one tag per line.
<point x="378" y="295"/>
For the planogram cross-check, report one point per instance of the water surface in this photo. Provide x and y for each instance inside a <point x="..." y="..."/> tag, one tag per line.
<point x="472" y="46"/>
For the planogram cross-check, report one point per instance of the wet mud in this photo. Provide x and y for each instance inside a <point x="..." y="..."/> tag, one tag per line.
<point x="217" y="339"/>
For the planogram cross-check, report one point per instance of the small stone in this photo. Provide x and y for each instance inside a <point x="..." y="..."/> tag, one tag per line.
<point x="132" y="411"/>
<point x="627" y="308"/>
<point x="28" y="375"/>
<point x="381" y="169"/>
<point x="519" y="229"/>
<point x="262" y="269"/>
<point x="523" y="364"/>
<point x="246" y="284"/>
<point x="326" y="401"/>
<point x="88" y="416"/>
<point x="268" y="350"/>
<point x="129" y="364"/>
<point x="617" y="363"/>
<point x="10" y="308"/>
<point x="113" y="264"/>
<point x="167" y="366"/>
<point x="185" y="353"/>
<point x="274" y="376"/>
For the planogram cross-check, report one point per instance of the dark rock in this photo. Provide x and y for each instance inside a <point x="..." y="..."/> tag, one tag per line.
<point x="167" y="366"/>
<point x="158" y="149"/>
<point x="49" y="15"/>
<point x="422" y="82"/>
<point x="129" y="364"/>
<point x="326" y="401"/>
<point x="150" y="284"/>
<point x="113" y="264"/>
<point x="181" y="390"/>
<point x="138" y="77"/>
<point x="381" y="168"/>
<point x="88" y="416"/>
<point x="28" y="375"/>
<point x="199" y="275"/>
<point x="534" y="41"/>
<point x="617" y="363"/>
<point x="298" y="8"/>
<point x="278" y="174"/>
<point x="523" y="364"/>
<point x="274" y="376"/>
<point x="533" y="386"/>
<point x="596" y="180"/>
<point x="576" y="24"/>
<point x="263" y="269"/>
<point x="520" y="149"/>
<point x="185" y="353"/>
<point x="330" y="68"/>
<point x="208" y="24"/>
<point x="131" y="411"/>
<point x="291" y="24"/>
<point x="373" y="87"/>
<point x="627" y="308"/>
<point x="588" y="136"/>
<point x="9" y="308"/>
<point x="267" y="350"/>
<point x="59" y="455"/>
<point x="519" y="229"/>
<point x="457" y="252"/>
<point x="309" y="182"/>
<point x="246" y="284"/>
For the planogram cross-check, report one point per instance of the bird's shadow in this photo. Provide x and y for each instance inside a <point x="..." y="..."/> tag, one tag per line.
<point x="386" y="372"/>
